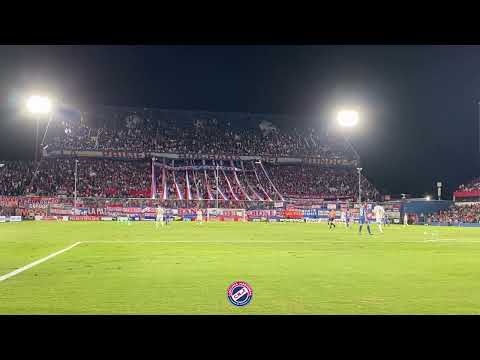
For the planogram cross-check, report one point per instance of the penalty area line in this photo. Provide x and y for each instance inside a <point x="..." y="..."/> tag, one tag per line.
<point x="35" y="263"/>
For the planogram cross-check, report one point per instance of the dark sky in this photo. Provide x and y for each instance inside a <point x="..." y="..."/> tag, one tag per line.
<point x="418" y="104"/>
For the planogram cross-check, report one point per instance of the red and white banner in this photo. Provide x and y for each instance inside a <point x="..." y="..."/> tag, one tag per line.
<point x="8" y="201"/>
<point x="464" y="194"/>
<point x="84" y="218"/>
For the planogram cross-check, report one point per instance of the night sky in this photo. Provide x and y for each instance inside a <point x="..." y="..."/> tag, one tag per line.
<point x="418" y="104"/>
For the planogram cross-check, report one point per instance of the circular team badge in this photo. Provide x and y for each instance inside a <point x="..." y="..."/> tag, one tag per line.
<point x="239" y="293"/>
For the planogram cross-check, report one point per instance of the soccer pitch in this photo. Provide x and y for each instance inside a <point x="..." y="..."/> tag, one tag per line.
<point x="185" y="268"/>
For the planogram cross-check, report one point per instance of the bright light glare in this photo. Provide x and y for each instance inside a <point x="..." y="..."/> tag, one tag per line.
<point x="39" y="105"/>
<point x="428" y="197"/>
<point x="347" y="118"/>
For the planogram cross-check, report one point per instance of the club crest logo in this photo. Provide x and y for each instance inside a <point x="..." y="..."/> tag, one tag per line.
<point x="239" y="293"/>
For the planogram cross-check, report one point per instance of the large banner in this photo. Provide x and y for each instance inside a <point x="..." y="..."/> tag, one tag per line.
<point x="466" y="194"/>
<point x="328" y="161"/>
<point x="37" y="202"/>
<point x="197" y="167"/>
<point x="292" y="214"/>
<point x="262" y="215"/>
<point x="8" y="201"/>
<point x="129" y="155"/>
<point x="225" y="215"/>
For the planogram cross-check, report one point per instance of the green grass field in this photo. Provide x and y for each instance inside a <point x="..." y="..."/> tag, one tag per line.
<point x="185" y="268"/>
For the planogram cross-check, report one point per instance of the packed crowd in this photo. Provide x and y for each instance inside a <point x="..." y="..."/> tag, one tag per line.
<point x="471" y="185"/>
<point x="314" y="181"/>
<point x="95" y="178"/>
<point x="115" y="178"/>
<point x="14" y="177"/>
<point x="458" y="214"/>
<point x="196" y="137"/>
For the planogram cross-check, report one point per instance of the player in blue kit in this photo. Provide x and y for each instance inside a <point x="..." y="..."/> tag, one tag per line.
<point x="363" y="218"/>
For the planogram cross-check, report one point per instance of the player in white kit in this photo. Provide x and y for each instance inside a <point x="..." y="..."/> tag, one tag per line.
<point x="160" y="217"/>
<point x="379" y="212"/>
<point x="343" y="218"/>
<point x="199" y="218"/>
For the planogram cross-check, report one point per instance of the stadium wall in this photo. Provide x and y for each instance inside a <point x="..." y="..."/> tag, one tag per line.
<point x="418" y="207"/>
<point x="96" y="209"/>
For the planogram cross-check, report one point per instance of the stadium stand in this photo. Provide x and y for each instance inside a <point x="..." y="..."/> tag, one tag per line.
<point x="186" y="132"/>
<point x="122" y="179"/>
<point x="466" y="207"/>
<point x="298" y="164"/>
<point x="467" y="214"/>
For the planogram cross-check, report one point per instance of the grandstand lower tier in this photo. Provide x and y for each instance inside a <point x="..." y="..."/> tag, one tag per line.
<point x="182" y="180"/>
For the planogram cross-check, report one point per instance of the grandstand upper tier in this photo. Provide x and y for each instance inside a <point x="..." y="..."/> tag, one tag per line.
<point x="191" y="132"/>
<point x="469" y="192"/>
<point x="187" y="156"/>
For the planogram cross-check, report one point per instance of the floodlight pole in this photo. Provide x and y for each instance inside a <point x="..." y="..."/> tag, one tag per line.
<point x="357" y="157"/>
<point x="46" y="130"/>
<point x="359" y="185"/>
<point x="36" y="139"/>
<point x="75" y="190"/>
<point x="154" y="185"/>
<point x="216" y="184"/>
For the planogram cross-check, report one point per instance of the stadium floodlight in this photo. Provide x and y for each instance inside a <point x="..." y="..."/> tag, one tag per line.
<point x="39" y="105"/>
<point x="2" y="165"/>
<point x="347" y="118"/>
<point x="427" y="197"/>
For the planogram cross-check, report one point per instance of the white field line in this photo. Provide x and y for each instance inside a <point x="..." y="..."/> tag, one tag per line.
<point x="29" y="266"/>
<point x="273" y="242"/>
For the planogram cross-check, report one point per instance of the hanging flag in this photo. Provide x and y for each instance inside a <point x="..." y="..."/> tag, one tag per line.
<point x="164" y="182"/>
<point x="189" y="193"/>
<point x="153" y="185"/>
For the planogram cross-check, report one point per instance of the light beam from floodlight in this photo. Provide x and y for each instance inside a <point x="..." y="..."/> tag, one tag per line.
<point x="347" y="118"/>
<point x="39" y="105"/>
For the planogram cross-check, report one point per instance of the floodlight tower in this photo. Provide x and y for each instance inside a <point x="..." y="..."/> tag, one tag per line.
<point x="38" y="106"/>
<point x="349" y="119"/>
<point x="439" y="190"/>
